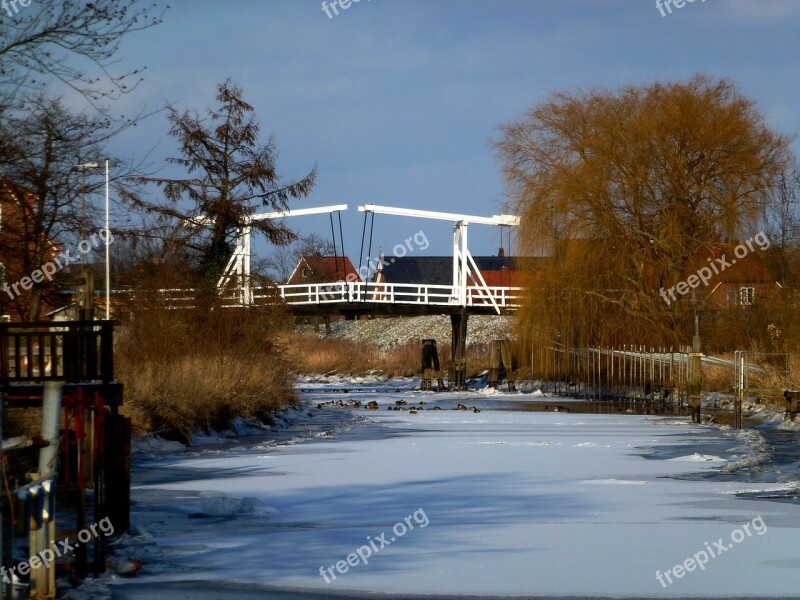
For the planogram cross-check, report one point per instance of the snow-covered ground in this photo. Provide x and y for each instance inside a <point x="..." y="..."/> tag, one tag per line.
<point x="489" y="503"/>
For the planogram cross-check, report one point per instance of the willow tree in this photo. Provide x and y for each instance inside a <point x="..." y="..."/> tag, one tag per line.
<point x="620" y="191"/>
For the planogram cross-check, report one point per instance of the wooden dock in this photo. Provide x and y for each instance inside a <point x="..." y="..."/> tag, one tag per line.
<point x="60" y="374"/>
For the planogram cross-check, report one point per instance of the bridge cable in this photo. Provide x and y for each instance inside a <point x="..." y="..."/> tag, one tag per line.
<point x="369" y="253"/>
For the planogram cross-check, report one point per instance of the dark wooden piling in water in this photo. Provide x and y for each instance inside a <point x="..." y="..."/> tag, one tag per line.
<point x="457" y="372"/>
<point x="500" y="357"/>
<point x="430" y="368"/>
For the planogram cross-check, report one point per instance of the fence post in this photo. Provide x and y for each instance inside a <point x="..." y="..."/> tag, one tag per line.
<point x="695" y="384"/>
<point x="107" y="351"/>
<point x="739" y="360"/>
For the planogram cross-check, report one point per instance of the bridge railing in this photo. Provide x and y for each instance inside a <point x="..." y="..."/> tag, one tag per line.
<point x="347" y="292"/>
<point x="56" y="351"/>
<point x="397" y="293"/>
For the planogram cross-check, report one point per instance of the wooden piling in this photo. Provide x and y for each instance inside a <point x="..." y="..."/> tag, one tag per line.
<point x="500" y="357"/>
<point x="457" y="373"/>
<point x="430" y="368"/>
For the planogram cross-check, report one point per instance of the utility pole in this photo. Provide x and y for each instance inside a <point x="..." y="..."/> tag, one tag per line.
<point x="108" y="253"/>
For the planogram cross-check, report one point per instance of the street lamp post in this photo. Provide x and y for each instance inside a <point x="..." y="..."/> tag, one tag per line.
<point x="108" y="253"/>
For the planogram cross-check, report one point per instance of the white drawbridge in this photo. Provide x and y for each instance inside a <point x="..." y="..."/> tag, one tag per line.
<point x="468" y="289"/>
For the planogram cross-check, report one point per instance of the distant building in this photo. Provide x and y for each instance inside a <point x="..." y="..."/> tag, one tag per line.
<point x="323" y="269"/>
<point x="743" y="280"/>
<point x="497" y="271"/>
<point x="16" y="218"/>
<point x="746" y="282"/>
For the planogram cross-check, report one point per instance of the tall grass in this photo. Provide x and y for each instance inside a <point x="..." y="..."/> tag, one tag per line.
<point x="313" y="354"/>
<point x="185" y="372"/>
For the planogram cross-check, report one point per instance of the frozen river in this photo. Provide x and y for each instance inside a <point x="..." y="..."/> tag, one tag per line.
<point x="502" y="502"/>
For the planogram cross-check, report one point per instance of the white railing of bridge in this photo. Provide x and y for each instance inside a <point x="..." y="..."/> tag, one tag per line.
<point x="345" y="292"/>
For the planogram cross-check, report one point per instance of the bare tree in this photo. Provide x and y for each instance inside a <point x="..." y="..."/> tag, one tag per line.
<point x="622" y="189"/>
<point x="280" y="264"/>
<point x="783" y="222"/>
<point x="42" y="151"/>
<point x="71" y="42"/>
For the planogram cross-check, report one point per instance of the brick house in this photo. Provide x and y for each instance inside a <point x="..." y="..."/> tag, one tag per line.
<point x="323" y="269"/>
<point x="745" y="282"/>
<point x="16" y="218"/>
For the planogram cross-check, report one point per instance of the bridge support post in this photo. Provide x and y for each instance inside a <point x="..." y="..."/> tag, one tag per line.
<point x="430" y="366"/>
<point x="457" y="372"/>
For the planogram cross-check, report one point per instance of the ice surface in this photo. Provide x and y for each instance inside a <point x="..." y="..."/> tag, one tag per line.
<point x="519" y="503"/>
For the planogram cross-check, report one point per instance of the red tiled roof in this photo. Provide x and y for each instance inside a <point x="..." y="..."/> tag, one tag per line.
<point x="323" y="269"/>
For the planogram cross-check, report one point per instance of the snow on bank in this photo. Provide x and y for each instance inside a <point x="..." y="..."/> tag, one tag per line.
<point x="386" y="333"/>
<point x="752" y="450"/>
<point x="519" y="503"/>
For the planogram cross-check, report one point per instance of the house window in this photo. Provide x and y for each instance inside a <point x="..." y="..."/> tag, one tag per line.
<point x="746" y="296"/>
<point x="305" y="272"/>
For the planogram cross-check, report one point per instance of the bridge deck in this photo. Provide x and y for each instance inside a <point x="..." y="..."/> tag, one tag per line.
<point x="356" y="309"/>
<point x="354" y="298"/>
<point x="358" y="298"/>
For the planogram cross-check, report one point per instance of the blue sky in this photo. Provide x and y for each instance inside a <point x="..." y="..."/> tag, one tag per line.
<point x="397" y="101"/>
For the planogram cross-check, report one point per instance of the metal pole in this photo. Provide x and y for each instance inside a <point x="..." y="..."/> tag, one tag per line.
<point x="108" y="252"/>
<point x="51" y="420"/>
<point x="83" y="216"/>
